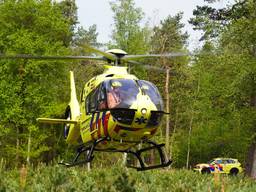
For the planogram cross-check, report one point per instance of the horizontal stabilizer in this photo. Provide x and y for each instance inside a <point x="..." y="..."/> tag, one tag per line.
<point x="55" y="121"/>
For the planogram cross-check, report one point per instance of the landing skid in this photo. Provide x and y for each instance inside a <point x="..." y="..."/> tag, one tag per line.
<point x="88" y="152"/>
<point x="164" y="162"/>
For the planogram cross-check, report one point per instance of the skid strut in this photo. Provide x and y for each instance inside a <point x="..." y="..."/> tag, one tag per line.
<point x="88" y="152"/>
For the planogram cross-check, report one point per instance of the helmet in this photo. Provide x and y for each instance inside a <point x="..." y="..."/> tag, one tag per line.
<point x="116" y="84"/>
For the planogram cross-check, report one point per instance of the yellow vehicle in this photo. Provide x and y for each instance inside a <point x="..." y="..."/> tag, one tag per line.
<point x="220" y="165"/>
<point x="117" y="112"/>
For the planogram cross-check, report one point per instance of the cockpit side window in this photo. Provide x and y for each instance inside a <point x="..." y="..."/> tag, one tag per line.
<point x="87" y="104"/>
<point x="102" y="98"/>
<point x="91" y="101"/>
<point x="96" y="100"/>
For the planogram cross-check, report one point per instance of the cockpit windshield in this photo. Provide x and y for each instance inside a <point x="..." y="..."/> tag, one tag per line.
<point x="151" y="90"/>
<point x="121" y="93"/>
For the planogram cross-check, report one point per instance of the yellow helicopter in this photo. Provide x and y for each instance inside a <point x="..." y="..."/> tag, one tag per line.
<point x="117" y="111"/>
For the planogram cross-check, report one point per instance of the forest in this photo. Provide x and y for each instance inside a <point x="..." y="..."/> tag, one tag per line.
<point x="210" y="94"/>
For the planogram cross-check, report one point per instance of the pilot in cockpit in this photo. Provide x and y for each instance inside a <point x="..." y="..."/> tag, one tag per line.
<point x="113" y="95"/>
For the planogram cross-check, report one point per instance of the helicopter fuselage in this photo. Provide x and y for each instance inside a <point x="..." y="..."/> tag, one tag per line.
<point x="126" y="120"/>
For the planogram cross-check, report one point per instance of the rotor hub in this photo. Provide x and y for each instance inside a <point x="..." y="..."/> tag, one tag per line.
<point x="119" y="53"/>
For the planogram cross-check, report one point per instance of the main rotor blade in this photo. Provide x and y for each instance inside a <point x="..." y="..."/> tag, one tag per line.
<point x="45" y="57"/>
<point x="162" y="69"/>
<point x="168" y="55"/>
<point x="132" y="62"/>
<point x="94" y="50"/>
<point x="154" y="68"/>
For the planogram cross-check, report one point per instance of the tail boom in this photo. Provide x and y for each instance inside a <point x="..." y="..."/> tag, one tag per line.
<point x="56" y="121"/>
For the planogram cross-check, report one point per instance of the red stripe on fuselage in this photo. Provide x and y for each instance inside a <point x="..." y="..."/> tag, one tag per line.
<point x="99" y="126"/>
<point x="105" y="125"/>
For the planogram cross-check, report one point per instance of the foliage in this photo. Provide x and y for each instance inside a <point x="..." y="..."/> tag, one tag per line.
<point x="127" y="33"/>
<point x="212" y="94"/>
<point x="84" y="70"/>
<point x="212" y="21"/>
<point x="224" y="91"/>
<point x="30" y="88"/>
<point x="58" y="178"/>
<point x="86" y="37"/>
<point x="169" y="37"/>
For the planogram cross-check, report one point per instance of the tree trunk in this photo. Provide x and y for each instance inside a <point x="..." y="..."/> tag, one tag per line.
<point x="250" y="166"/>
<point x="251" y="161"/>
<point x="174" y="131"/>
<point x="17" y="146"/>
<point x="189" y="137"/>
<point x="29" y="148"/>
<point x="253" y="169"/>
<point x="167" y="132"/>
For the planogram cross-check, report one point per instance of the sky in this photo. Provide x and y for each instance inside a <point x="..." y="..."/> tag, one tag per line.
<point x="99" y="12"/>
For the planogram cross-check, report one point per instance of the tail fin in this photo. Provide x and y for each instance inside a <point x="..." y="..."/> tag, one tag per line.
<point x="72" y="88"/>
<point x="74" y="110"/>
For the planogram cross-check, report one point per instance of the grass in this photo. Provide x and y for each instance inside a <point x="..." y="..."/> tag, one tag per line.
<point x="59" y="178"/>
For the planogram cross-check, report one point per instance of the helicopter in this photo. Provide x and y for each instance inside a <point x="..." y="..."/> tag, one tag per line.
<point x="116" y="113"/>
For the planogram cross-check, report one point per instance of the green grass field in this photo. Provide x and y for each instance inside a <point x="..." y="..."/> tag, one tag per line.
<point x="59" y="178"/>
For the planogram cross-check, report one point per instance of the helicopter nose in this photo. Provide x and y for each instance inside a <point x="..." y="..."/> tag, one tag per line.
<point x="143" y="111"/>
<point x="142" y="115"/>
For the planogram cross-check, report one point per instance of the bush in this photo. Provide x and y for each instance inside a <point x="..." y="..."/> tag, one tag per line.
<point x="60" y="178"/>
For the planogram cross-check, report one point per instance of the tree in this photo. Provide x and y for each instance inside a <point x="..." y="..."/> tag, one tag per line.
<point x="212" y="21"/>
<point x="168" y="37"/>
<point x="128" y="34"/>
<point x="29" y="88"/>
<point x="226" y="101"/>
<point x="239" y="39"/>
<point x="83" y="36"/>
